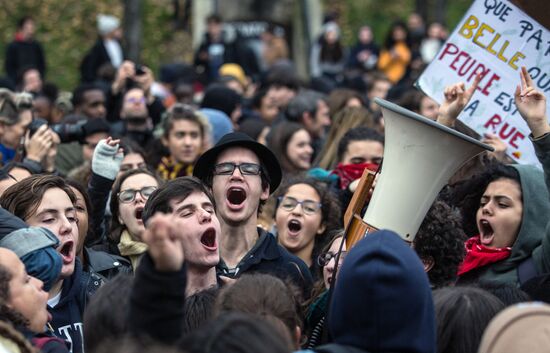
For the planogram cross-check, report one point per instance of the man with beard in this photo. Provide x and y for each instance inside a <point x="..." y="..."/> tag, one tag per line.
<point x="135" y="122"/>
<point x="242" y="173"/>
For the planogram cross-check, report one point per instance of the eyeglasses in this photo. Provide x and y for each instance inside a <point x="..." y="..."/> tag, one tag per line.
<point x="324" y="258"/>
<point x="245" y="168"/>
<point x="135" y="100"/>
<point x="129" y="195"/>
<point x="288" y="203"/>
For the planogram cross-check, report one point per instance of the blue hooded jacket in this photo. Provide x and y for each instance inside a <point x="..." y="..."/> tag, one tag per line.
<point x="382" y="301"/>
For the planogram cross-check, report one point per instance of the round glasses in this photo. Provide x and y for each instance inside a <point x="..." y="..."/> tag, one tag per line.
<point x="288" y="203"/>
<point x="129" y="195"/>
<point x="245" y="168"/>
<point x="324" y="258"/>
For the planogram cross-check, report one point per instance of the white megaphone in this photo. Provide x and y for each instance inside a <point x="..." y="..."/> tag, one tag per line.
<point x="420" y="156"/>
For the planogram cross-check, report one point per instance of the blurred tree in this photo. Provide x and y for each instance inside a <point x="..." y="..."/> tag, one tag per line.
<point x="132" y="29"/>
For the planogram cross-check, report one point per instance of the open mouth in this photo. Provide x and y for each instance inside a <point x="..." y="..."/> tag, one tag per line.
<point x="294" y="226"/>
<point x="208" y="239"/>
<point x="138" y="212"/>
<point x="66" y="251"/>
<point x="486" y="232"/>
<point x="236" y="196"/>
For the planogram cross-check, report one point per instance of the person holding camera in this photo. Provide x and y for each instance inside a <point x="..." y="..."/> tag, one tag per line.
<point x="131" y="75"/>
<point x="135" y="122"/>
<point x="36" y="151"/>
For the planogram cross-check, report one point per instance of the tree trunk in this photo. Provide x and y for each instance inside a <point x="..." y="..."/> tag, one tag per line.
<point x="421" y="7"/>
<point x="132" y="29"/>
<point x="440" y="7"/>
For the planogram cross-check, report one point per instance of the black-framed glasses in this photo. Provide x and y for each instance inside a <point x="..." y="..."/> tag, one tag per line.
<point x="324" y="258"/>
<point x="288" y="203"/>
<point x="129" y="195"/>
<point x="245" y="168"/>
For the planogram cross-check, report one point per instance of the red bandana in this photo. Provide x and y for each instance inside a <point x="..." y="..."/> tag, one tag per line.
<point x="478" y="255"/>
<point x="350" y="172"/>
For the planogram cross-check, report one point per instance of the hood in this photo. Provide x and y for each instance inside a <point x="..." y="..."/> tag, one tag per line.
<point x="382" y="301"/>
<point x="535" y="204"/>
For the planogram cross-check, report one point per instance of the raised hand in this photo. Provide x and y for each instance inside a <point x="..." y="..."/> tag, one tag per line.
<point x="38" y="145"/>
<point x="500" y="146"/>
<point x="531" y="104"/>
<point x="107" y="158"/>
<point x="456" y="98"/>
<point x="164" y="240"/>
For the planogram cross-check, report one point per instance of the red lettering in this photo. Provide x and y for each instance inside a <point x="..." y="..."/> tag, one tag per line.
<point x="480" y="69"/>
<point x="493" y="122"/>
<point x="518" y="135"/>
<point x="450" y="48"/>
<point x="504" y="134"/>
<point x="485" y="89"/>
<point x="461" y="54"/>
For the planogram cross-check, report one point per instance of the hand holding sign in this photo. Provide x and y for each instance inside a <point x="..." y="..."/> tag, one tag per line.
<point x="531" y="105"/>
<point x="456" y="98"/>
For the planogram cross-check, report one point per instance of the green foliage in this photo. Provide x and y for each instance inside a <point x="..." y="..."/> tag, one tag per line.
<point x="67" y="30"/>
<point x="379" y="14"/>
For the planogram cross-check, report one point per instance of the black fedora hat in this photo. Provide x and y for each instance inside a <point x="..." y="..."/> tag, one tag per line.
<point x="206" y="162"/>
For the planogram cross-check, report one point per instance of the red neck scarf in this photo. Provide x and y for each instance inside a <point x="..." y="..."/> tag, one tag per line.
<point x="478" y="255"/>
<point x="350" y="172"/>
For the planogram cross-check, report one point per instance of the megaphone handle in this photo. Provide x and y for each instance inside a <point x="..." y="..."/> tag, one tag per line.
<point x="360" y="196"/>
<point x="357" y="230"/>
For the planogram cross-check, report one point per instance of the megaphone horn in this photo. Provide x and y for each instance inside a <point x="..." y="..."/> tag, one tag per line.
<point x="420" y="156"/>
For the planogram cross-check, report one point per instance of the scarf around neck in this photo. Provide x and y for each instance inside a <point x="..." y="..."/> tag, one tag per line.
<point x="478" y="255"/>
<point x="131" y="248"/>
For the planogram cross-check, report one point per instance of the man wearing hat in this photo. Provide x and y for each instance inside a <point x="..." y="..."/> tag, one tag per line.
<point x="106" y="51"/>
<point x="242" y="173"/>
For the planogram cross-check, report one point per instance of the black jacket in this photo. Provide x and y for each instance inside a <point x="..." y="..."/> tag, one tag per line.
<point x="267" y="256"/>
<point x="9" y="223"/>
<point x="96" y="57"/>
<point x="105" y="264"/>
<point x="22" y="54"/>
<point x="157" y="302"/>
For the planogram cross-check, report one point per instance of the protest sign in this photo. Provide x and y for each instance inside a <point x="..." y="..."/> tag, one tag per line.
<point x="495" y="39"/>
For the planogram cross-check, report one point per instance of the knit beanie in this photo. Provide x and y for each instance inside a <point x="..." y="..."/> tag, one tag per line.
<point x="106" y="24"/>
<point x="221" y="98"/>
<point x="35" y="246"/>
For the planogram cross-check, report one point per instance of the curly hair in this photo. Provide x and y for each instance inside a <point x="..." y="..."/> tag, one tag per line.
<point x="7" y="313"/>
<point x="441" y="238"/>
<point x="330" y="210"/>
<point x="466" y="194"/>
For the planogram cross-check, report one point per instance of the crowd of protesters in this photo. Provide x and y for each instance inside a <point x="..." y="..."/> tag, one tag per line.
<point x="202" y="210"/>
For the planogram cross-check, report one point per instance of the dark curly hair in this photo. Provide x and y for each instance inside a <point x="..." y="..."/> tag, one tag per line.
<point x="7" y="313"/>
<point x="466" y="194"/>
<point x="330" y="210"/>
<point x="441" y="238"/>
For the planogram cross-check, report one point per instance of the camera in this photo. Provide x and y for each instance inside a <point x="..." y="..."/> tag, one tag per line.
<point x="139" y="70"/>
<point x="66" y="132"/>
